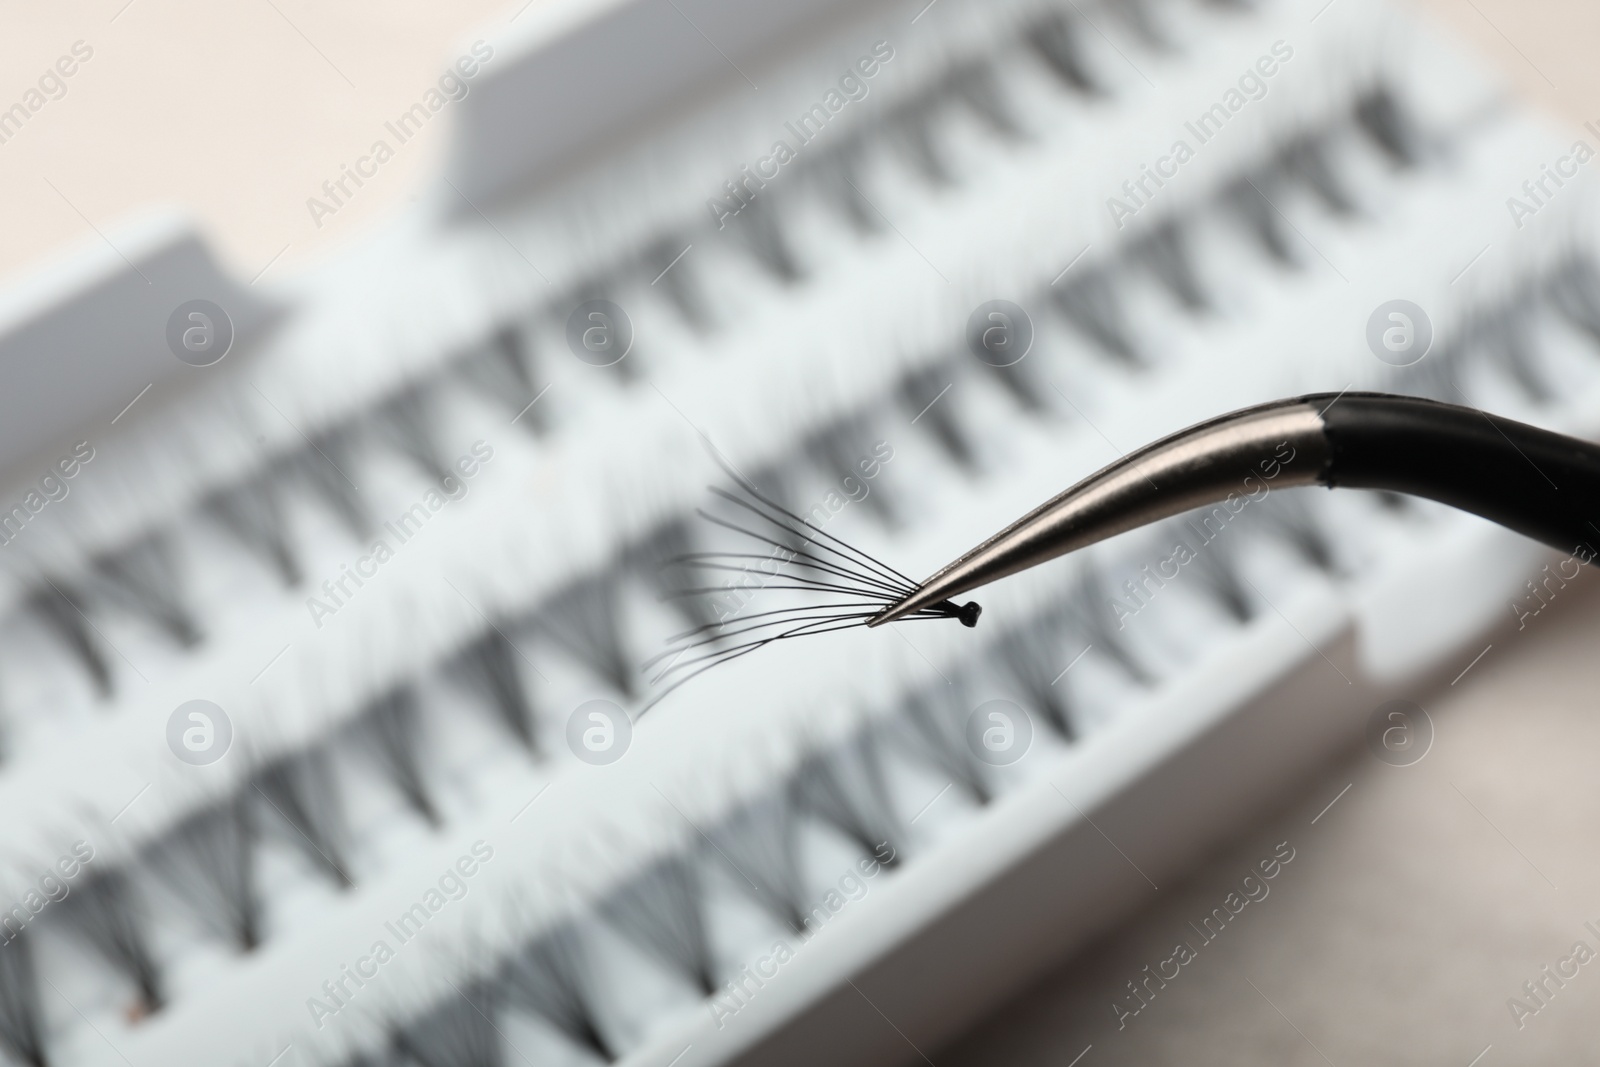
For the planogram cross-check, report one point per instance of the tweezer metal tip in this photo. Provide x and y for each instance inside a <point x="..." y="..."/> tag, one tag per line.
<point x="1197" y="466"/>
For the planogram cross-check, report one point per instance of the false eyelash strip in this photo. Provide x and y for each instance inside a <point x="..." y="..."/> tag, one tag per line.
<point x="503" y="370"/>
<point x="767" y="867"/>
<point x="253" y="514"/>
<point x="843" y="786"/>
<point x="1091" y="620"/>
<point x="208" y="861"/>
<point x="301" y="788"/>
<point x="491" y="665"/>
<point x="582" y="619"/>
<point x="21" y="1018"/>
<point x="400" y="365"/>
<point x="935" y="717"/>
<point x="759" y="847"/>
<point x="1219" y="575"/>
<point x="1290" y="515"/>
<point x="550" y="977"/>
<point x="405" y="423"/>
<point x="145" y="578"/>
<point x="61" y="608"/>
<point x="390" y="734"/>
<point x="1031" y="655"/>
<point x="108" y="912"/>
<point x="674" y="886"/>
<point x="774" y="867"/>
<point x="323" y="467"/>
<point x="457" y="1032"/>
<point x="659" y="558"/>
<point x="662" y="910"/>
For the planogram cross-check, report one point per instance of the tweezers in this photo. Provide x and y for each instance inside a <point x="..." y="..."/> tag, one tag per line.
<point x="1541" y="484"/>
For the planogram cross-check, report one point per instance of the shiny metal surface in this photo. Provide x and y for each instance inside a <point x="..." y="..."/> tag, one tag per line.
<point x="1204" y="464"/>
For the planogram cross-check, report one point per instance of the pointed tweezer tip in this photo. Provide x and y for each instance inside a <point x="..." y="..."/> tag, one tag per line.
<point x="915" y="603"/>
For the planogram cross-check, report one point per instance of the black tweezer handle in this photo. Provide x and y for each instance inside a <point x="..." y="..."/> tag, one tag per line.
<point x="1541" y="484"/>
<point x="1538" y="483"/>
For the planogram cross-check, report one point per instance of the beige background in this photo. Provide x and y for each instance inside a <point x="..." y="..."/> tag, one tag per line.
<point x="240" y="110"/>
<point x="1416" y="905"/>
<point x="237" y="110"/>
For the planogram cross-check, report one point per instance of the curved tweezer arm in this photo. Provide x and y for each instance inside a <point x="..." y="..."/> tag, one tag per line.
<point x="1541" y="484"/>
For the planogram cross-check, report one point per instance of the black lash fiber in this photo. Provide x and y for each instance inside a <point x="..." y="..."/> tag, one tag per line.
<point x="935" y="718"/>
<point x="207" y="860"/>
<point x="843" y="785"/>
<point x="662" y="909"/>
<point x="252" y="511"/>
<point x="1034" y="654"/>
<point x="107" y="911"/>
<point x="458" y="1031"/>
<point x="61" y="607"/>
<point x="551" y="976"/>
<point x="824" y="566"/>
<point x="585" y="620"/>
<point x="301" y="789"/>
<point x="761" y="848"/>
<point x="390" y="733"/>
<point x="326" y="469"/>
<point x="491" y="666"/>
<point x="145" y="578"/>
<point x="405" y="424"/>
<point x="21" y="1016"/>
